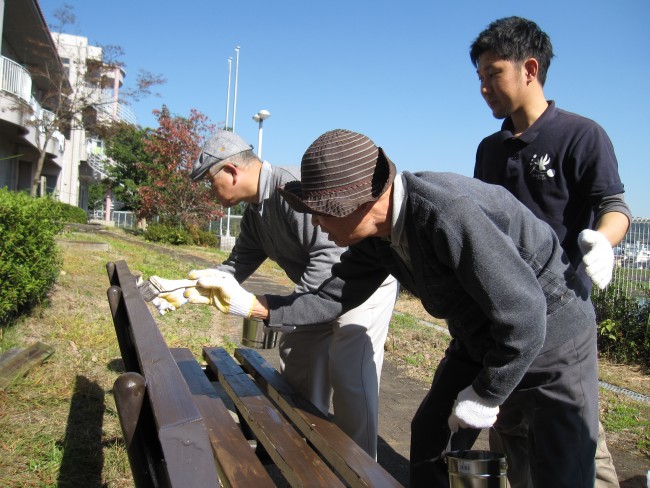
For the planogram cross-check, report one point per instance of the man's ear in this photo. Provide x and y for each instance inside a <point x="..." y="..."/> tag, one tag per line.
<point x="531" y="69"/>
<point x="232" y="170"/>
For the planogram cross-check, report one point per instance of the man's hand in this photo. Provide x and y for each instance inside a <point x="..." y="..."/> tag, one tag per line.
<point x="166" y="302"/>
<point x="224" y="293"/>
<point x="470" y="411"/>
<point x="197" y="274"/>
<point x="201" y="296"/>
<point x="598" y="256"/>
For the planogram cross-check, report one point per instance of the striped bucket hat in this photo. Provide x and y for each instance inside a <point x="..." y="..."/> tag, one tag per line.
<point x="340" y="171"/>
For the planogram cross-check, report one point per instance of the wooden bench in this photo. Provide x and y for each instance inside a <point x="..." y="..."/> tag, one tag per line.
<point x="179" y="431"/>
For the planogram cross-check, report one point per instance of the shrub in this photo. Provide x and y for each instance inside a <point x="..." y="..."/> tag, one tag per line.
<point x="72" y="214"/>
<point x="29" y="259"/>
<point x="207" y="239"/>
<point x="168" y="234"/>
<point x="623" y="326"/>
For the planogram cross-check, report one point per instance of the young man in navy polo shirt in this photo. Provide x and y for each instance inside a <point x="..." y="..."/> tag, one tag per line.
<point x="560" y="165"/>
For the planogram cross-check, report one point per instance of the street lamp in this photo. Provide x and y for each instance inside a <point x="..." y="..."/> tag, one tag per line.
<point x="260" y="117"/>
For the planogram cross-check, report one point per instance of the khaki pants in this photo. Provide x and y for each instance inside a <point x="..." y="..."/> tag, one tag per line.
<point x="340" y="363"/>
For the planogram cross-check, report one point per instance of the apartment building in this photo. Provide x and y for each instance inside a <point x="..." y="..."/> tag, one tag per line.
<point x="35" y="63"/>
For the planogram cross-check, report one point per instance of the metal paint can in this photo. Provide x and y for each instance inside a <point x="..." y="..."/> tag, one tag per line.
<point x="476" y="469"/>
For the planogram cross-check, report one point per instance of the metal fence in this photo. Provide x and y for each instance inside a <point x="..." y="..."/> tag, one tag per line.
<point x="632" y="260"/>
<point x="119" y="218"/>
<point x="225" y="226"/>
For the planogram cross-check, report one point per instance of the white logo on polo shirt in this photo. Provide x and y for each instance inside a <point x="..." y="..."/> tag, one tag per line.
<point x="538" y="167"/>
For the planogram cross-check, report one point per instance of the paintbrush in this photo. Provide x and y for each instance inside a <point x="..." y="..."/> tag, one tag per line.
<point x="156" y="285"/>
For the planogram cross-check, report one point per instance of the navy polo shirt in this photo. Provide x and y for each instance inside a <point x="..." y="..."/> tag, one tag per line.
<point x="561" y="167"/>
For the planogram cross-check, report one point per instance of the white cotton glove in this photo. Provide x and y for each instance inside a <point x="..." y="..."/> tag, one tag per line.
<point x="201" y="296"/>
<point x="168" y="302"/>
<point x="598" y="256"/>
<point x="470" y="411"/>
<point x="225" y="294"/>
<point x="196" y="274"/>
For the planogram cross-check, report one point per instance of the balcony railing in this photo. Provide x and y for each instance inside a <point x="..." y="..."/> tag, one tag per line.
<point x="108" y="107"/>
<point x="116" y="111"/>
<point x="16" y="79"/>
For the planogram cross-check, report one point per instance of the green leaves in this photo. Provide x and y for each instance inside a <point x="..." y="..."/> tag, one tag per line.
<point x="29" y="259"/>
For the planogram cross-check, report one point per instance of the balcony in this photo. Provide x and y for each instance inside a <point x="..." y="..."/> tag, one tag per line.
<point x="110" y="109"/>
<point x="16" y="79"/>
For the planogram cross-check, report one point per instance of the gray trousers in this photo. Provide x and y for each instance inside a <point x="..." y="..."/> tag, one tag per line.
<point x="339" y="364"/>
<point x="558" y="397"/>
<point x="551" y="443"/>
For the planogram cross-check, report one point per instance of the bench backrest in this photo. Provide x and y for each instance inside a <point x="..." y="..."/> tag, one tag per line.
<point x="167" y="408"/>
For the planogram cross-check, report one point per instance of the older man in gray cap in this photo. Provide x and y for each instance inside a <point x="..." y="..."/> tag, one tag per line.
<point x="477" y="257"/>
<point x="339" y="359"/>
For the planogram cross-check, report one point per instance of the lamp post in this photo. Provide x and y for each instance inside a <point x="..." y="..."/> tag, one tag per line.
<point x="234" y="108"/>
<point x="228" y="97"/>
<point x="260" y="117"/>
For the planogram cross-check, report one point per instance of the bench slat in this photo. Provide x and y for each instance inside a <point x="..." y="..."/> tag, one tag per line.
<point x="181" y="430"/>
<point x="298" y="463"/>
<point x="237" y="463"/>
<point x="355" y="465"/>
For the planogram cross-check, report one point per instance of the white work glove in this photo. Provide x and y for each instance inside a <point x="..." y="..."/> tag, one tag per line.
<point x="598" y="256"/>
<point x="167" y="302"/>
<point x="201" y="296"/>
<point x="470" y="411"/>
<point x="223" y="291"/>
<point x="196" y="274"/>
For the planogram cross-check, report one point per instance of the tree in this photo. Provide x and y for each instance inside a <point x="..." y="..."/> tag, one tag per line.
<point x="171" y="194"/>
<point x="125" y="146"/>
<point x="75" y="95"/>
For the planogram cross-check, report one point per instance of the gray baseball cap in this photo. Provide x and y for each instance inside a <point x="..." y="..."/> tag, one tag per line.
<point x="220" y="146"/>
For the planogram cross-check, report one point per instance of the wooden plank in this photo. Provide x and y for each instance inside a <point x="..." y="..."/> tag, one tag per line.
<point x="236" y="461"/>
<point x="299" y="464"/>
<point x="354" y="465"/>
<point x="18" y="362"/>
<point x="8" y="354"/>
<point x="181" y="430"/>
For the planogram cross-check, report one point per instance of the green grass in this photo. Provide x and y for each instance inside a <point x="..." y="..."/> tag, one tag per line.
<point x="626" y="417"/>
<point x="416" y="346"/>
<point x="58" y="424"/>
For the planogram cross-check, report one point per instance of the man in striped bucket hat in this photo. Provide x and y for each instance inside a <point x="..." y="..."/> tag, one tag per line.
<point x="478" y="258"/>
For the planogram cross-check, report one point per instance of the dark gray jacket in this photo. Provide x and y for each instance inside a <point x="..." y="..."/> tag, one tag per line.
<point x="478" y="258"/>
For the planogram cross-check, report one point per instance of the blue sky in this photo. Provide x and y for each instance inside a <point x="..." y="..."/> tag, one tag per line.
<point x="398" y="72"/>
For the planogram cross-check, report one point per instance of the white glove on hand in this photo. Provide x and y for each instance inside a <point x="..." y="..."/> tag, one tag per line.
<point x="201" y="296"/>
<point x="470" y="411"/>
<point x="166" y="302"/>
<point x="598" y="256"/>
<point x="197" y="274"/>
<point x="226" y="294"/>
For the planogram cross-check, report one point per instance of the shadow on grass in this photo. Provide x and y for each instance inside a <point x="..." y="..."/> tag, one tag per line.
<point x="83" y="460"/>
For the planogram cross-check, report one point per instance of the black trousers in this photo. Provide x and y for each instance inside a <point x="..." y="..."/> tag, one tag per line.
<point x="429" y="429"/>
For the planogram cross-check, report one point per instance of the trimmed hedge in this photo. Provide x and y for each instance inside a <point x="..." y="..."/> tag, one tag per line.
<point x="72" y="214"/>
<point x="178" y="235"/>
<point x="29" y="259"/>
